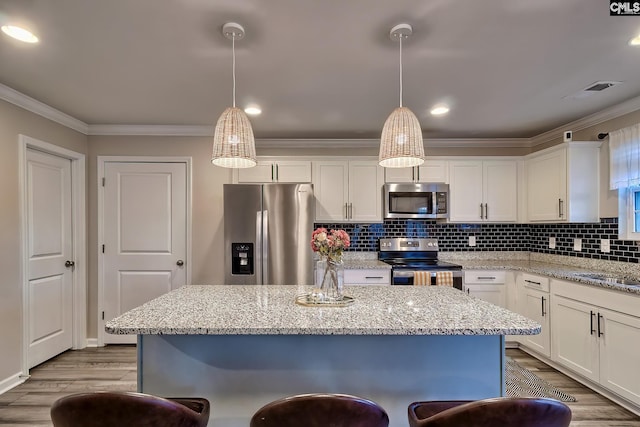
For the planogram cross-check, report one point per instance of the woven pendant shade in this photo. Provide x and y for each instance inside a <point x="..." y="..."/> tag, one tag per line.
<point x="233" y="142"/>
<point x="401" y="142"/>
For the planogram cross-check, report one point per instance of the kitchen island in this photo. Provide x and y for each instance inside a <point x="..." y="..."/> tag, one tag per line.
<point x="244" y="346"/>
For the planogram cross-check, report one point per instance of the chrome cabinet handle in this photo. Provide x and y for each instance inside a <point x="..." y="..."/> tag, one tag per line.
<point x="373" y="277"/>
<point x="486" y="278"/>
<point x="277" y="173"/>
<point x="350" y="210"/>
<point x="413" y="174"/>
<point x="543" y="313"/>
<point x="533" y="283"/>
<point x="486" y="211"/>
<point x="481" y="211"/>
<point x="272" y="173"/>
<point x="418" y="173"/>
<point x="591" y="330"/>
<point x="560" y="208"/>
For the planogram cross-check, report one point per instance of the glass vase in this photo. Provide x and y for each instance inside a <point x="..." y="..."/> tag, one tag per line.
<point x="332" y="279"/>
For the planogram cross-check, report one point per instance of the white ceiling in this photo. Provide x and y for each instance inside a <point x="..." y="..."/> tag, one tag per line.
<point x="324" y="68"/>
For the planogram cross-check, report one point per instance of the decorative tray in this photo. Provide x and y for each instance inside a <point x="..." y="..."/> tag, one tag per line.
<point x="308" y="301"/>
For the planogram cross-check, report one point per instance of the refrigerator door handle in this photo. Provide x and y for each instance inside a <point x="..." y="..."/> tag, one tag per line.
<point x="265" y="248"/>
<point x="258" y="251"/>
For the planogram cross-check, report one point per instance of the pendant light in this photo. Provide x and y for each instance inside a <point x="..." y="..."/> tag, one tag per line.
<point x="233" y="142"/>
<point x="401" y="142"/>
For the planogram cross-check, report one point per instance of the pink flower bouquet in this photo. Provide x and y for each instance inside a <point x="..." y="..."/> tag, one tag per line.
<point x="330" y="243"/>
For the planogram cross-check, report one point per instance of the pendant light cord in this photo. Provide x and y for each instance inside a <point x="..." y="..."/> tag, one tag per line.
<point x="400" y="37"/>
<point x="233" y="50"/>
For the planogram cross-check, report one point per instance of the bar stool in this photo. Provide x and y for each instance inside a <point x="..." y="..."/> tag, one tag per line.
<point x="118" y="409"/>
<point x="321" y="410"/>
<point x="500" y="411"/>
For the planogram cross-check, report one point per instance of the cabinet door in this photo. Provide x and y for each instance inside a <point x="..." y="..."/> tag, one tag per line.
<point x="619" y="349"/>
<point x="365" y="191"/>
<point x="331" y="188"/>
<point x="399" y="174"/>
<point x="547" y="187"/>
<point x="537" y="308"/>
<point x="574" y="336"/>
<point x="368" y="276"/>
<point x="491" y="293"/>
<point x="293" y="171"/>
<point x="465" y="191"/>
<point x="500" y="190"/>
<point x="262" y="172"/>
<point x="433" y="171"/>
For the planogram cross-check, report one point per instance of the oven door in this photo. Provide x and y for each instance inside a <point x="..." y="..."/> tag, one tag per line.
<point x="405" y="277"/>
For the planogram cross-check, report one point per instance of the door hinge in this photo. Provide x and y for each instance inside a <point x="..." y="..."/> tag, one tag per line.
<point x="103" y="315"/>
<point x="102" y="248"/>
<point x="103" y="181"/>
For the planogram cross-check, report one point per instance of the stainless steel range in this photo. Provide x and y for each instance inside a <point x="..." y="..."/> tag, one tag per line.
<point x="407" y="255"/>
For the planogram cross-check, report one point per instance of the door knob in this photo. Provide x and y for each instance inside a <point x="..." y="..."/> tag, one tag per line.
<point x="69" y="264"/>
<point x="180" y="263"/>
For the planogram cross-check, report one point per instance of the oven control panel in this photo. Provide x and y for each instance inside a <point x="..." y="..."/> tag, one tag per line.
<point x="408" y="244"/>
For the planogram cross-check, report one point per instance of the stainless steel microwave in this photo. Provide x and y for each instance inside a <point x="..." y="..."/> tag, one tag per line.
<point x="418" y="201"/>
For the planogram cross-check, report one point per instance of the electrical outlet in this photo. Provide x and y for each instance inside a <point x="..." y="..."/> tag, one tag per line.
<point x="577" y="245"/>
<point x="552" y="242"/>
<point x="472" y="240"/>
<point x="605" y="245"/>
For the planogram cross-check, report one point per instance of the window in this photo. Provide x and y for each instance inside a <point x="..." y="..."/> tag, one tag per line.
<point x="629" y="213"/>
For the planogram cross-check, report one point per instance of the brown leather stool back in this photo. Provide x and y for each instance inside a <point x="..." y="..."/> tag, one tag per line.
<point x="120" y="409"/>
<point x="321" y="410"/>
<point x="501" y="411"/>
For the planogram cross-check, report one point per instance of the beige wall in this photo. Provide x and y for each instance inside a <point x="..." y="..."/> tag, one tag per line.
<point x="15" y="121"/>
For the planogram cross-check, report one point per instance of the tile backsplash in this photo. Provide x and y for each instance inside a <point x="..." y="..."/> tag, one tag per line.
<point x="499" y="237"/>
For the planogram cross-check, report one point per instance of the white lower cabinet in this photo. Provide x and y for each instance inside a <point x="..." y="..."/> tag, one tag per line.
<point x="593" y="336"/>
<point x="534" y="303"/>
<point x="486" y="285"/>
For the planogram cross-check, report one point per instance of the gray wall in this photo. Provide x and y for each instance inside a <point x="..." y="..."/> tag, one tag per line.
<point x="15" y="121"/>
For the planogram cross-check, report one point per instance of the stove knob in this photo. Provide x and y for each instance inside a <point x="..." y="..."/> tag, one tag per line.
<point x="429" y="244"/>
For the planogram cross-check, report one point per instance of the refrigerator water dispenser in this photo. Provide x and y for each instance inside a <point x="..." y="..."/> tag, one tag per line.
<point x="242" y="258"/>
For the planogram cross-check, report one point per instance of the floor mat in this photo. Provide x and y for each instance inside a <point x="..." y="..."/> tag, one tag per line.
<point x="523" y="383"/>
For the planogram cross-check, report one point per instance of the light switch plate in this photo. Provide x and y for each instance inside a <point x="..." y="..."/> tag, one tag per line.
<point x="552" y="242"/>
<point x="472" y="240"/>
<point x="605" y="245"/>
<point x="577" y="245"/>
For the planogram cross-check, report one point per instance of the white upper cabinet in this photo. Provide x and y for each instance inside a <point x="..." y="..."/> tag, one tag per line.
<point x="481" y="191"/>
<point x="276" y="171"/>
<point x="348" y="190"/>
<point x="429" y="171"/>
<point x="562" y="183"/>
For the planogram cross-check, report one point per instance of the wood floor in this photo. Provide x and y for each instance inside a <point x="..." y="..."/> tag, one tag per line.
<point x="114" y="368"/>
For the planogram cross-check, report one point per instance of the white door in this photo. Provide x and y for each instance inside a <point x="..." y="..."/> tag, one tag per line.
<point x="466" y="191"/>
<point x="366" y="179"/>
<point x="331" y="188"/>
<point x="50" y="246"/>
<point x="145" y="233"/>
<point x="500" y="191"/>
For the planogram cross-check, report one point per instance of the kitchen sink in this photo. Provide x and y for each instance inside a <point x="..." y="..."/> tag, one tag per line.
<point x="610" y="279"/>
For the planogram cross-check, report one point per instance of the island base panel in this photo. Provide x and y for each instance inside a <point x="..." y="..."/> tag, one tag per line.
<point x="241" y="373"/>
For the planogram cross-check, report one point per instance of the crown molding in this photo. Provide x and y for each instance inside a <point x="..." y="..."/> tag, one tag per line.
<point x="626" y="107"/>
<point x="23" y="101"/>
<point x="477" y="142"/>
<point x="150" y="130"/>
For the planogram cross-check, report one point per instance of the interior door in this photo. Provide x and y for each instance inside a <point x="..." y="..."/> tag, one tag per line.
<point x="145" y="233"/>
<point x="50" y="246"/>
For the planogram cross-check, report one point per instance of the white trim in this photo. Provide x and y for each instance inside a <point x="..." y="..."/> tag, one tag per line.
<point x="23" y="101"/>
<point x="11" y="382"/>
<point x="102" y="160"/>
<point x="594" y="119"/>
<point x="151" y="130"/>
<point x="78" y="198"/>
<point x="92" y="342"/>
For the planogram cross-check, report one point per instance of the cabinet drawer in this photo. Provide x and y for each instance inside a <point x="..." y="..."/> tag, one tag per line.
<point x="536" y="282"/>
<point x="367" y="277"/>
<point x="485" y="276"/>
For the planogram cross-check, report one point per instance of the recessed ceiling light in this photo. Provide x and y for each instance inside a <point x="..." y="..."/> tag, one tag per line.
<point x="19" y="33"/>
<point x="635" y="41"/>
<point x="439" y="110"/>
<point x="253" y="110"/>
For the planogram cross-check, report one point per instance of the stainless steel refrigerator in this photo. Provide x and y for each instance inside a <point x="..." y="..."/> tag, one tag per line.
<point x="267" y="230"/>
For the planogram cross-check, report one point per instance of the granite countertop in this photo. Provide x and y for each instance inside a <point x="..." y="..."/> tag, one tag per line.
<point x="558" y="271"/>
<point x="269" y="310"/>
<point x="365" y="264"/>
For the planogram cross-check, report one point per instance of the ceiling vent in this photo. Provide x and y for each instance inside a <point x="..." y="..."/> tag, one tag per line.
<point x="592" y="89"/>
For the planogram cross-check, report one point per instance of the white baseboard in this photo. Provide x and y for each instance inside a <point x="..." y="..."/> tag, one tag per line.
<point x="92" y="342"/>
<point x="12" y="381"/>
